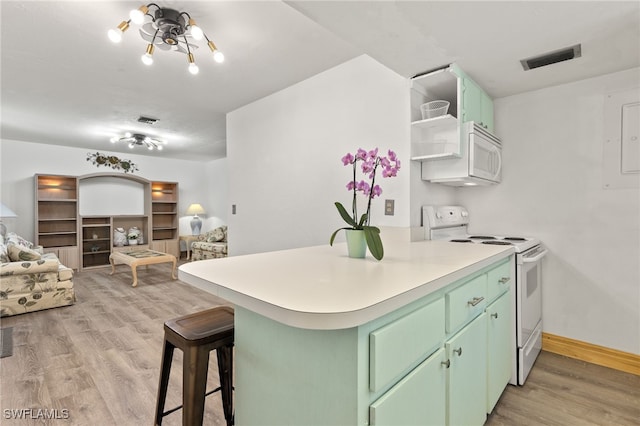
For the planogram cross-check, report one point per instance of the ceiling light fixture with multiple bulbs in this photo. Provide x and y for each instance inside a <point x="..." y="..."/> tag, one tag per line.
<point x="138" y="139"/>
<point x="168" y="29"/>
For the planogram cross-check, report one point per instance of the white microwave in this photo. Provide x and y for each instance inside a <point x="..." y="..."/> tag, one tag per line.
<point x="479" y="163"/>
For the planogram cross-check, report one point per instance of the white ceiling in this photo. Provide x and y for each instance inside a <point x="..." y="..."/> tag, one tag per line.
<point x="63" y="81"/>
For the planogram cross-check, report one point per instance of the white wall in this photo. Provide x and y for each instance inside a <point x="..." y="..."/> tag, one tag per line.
<point x="553" y="189"/>
<point x="284" y="155"/>
<point x="20" y="161"/>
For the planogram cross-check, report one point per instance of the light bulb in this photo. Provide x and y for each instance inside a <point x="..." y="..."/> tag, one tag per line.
<point x="147" y="59"/>
<point x="196" y="31"/>
<point x="115" y="34"/>
<point x="131" y="145"/>
<point x="137" y="15"/>
<point x="193" y="68"/>
<point x="218" y="56"/>
<point x="128" y="135"/>
<point x="159" y="147"/>
<point x="114" y="139"/>
<point x="150" y="147"/>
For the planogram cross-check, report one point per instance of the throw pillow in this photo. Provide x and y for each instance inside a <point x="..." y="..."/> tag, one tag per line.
<point x="216" y="235"/>
<point x="18" y="253"/>
<point x="4" y="254"/>
<point x="12" y="237"/>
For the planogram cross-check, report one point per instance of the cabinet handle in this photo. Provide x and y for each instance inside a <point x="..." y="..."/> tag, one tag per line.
<point x="504" y="280"/>
<point x="475" y="301"/>
<point x="494" y="315"/>
<point x="458" y="351"/>
<point x="446" y="363"/>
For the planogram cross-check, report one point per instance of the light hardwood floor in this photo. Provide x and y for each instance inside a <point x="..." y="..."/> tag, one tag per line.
<point x="100" y="360"/>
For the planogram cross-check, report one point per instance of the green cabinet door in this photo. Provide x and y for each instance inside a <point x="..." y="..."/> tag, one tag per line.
<point x="418" y="399"/>
<point x="500" y="350"/>
<point x="477" y="105"/>
<point x="471" y="101"/>
<point x="486" y="119"/>
<point x="467" y="374"/>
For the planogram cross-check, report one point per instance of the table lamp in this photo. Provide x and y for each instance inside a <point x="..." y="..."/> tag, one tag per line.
<point x="196" y="222"/>
<point x="5" y="212"/>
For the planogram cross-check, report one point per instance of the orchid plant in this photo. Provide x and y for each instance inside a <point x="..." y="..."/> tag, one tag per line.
<point x="370" y="161"/>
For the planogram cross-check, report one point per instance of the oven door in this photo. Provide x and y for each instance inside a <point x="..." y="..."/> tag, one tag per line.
<point x="529" y="292"/>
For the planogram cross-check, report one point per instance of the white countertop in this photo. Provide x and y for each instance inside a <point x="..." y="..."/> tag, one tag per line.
<point x="321" y="288"/>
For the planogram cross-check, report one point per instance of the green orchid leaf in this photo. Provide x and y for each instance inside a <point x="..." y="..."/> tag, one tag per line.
<point x="362" y="220"/>
<point x="333" y="236"/>
<point x="372" y="235"/>
<point x="345" y="215"/>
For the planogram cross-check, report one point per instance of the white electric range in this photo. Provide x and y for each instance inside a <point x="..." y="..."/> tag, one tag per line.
<point x="450" y="223"/>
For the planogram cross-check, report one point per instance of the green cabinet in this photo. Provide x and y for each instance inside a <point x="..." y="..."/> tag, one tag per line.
<point x="443" y="359"/>
<point x="418" y="399"/>
<point x="397" y="346"/>
<point x="466" y="375"/>
<point x="498" y="280"/>
<point x="477" y="105"/>
<point x="499" y="348"/>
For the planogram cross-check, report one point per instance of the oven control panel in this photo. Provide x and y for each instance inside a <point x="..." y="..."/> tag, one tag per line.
<point x="435" y="217"/>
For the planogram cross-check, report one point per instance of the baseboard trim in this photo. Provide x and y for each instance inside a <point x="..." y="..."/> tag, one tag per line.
<point x="600" y="355"/>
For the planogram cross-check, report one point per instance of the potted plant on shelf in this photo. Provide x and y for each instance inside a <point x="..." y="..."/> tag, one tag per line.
<point x="133" y="239"/>
<point x="360" y="234"/>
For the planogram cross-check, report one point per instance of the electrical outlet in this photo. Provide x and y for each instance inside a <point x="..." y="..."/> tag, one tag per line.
<point x="389" y="207"/>
<point x="233" y="209"/>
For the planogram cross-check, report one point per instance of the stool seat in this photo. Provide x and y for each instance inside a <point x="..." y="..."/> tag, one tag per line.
<point x="203" y="327"/>
<point x="196" y="335"/>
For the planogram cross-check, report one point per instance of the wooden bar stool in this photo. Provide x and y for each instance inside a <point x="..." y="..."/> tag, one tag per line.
<point x="197" y="335"/>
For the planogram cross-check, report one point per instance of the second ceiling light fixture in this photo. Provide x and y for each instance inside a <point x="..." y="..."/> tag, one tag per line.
<point x="168" y="29"/>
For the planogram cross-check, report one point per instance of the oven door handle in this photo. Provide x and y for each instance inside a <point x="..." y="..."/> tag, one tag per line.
<point x="535" y="258"/>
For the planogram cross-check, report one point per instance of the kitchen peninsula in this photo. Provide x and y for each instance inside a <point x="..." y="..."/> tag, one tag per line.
<point x="324" y="339"/>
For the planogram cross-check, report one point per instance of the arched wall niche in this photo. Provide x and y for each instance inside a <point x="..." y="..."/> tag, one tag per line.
<point x="112" y="194"/>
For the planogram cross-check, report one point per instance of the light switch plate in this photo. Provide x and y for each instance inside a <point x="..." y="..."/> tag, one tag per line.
<point x="389" y="207"/>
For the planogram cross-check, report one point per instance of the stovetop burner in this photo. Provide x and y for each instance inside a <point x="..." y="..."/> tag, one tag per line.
<point x="450" y="223"/>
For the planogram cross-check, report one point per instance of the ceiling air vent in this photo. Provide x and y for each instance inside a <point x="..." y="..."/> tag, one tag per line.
<point x="147" y="120"/>
<point x="552" y="57"/>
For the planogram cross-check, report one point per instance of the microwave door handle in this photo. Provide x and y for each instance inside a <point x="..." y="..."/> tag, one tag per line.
<point x="499" y="157"/>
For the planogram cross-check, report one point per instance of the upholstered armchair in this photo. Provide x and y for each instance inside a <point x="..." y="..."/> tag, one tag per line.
<point x="210" y="245"/>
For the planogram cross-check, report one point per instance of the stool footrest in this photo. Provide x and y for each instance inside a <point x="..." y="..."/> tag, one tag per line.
<point x="166" y="413"/>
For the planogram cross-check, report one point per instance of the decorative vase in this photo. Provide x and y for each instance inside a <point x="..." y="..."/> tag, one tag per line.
<point x="356" y="243"/>
<point x="119" y="237"/>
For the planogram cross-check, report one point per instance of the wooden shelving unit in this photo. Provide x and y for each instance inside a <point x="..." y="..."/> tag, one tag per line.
<point x="57" y="216"/>
<point x="96" y="241"/>
<point x="87" y="241"/>
<point x="164" y="211"/>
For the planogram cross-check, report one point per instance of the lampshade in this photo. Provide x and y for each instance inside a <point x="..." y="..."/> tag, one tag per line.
<point x="6" y="211"/>
<point x="195" y="209"/>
